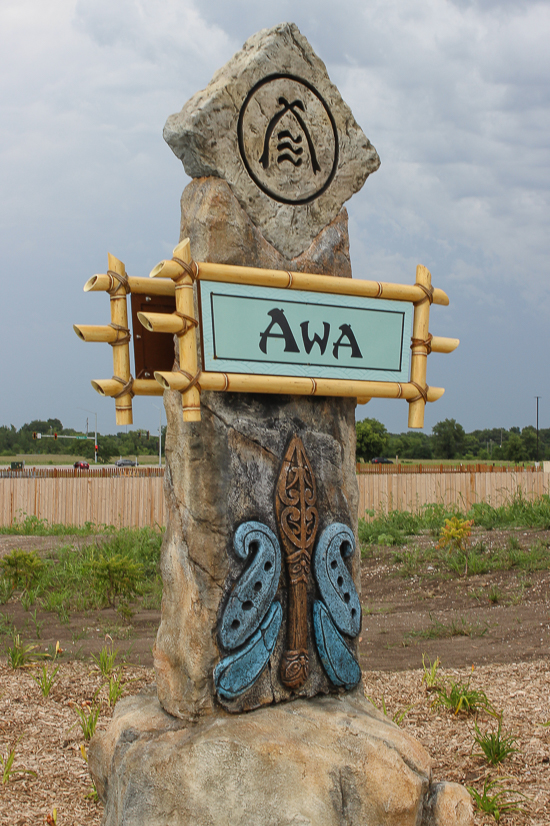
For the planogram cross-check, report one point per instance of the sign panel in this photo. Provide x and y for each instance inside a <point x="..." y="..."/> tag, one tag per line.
<point x="268" y="331"/>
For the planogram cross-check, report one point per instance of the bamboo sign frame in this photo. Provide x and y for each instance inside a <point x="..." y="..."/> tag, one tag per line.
<point x="177" y="276"/>
<point x="122" y="387"/>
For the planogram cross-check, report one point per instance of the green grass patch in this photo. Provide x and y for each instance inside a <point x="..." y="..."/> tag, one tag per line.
<point x="33" y="526"/>
<point x="455" y="628"/>
<point x="475" y="560"/>
<point x="399" y="525"/>
<point x="114" y="570"/>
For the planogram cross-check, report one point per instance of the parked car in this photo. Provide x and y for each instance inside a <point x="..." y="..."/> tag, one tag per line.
<point x="82" y="466"/>
<point x="381" y="460"/>
<point x="126" y="463"/>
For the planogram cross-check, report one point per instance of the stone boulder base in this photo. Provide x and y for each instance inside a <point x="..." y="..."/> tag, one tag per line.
<point x="323" y="762"/>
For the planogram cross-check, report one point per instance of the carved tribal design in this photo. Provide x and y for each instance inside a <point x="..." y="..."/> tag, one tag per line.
<point x="251" y="620"/>
<point x="252" y="617"/>
<point x="298" y="520"/>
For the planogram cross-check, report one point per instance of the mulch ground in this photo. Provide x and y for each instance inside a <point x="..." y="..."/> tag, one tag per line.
<point x="48" y="739"/>
<point x="509" y="654"/>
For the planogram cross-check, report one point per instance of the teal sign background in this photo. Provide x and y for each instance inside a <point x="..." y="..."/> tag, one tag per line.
<point x="348" y="337"/>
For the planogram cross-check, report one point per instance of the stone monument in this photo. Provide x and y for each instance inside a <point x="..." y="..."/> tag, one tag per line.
<point x="259" y="716"/>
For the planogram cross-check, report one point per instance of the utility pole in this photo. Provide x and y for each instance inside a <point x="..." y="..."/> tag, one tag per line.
<point x="537" y="398"/>
<point x="160" y="433"/>
<point x="95" y="440"/>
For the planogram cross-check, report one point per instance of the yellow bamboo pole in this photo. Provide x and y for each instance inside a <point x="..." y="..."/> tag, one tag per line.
<point x="141" y="286"/>
<point x="140" y="387"/>
<point x="440" y="344"/>
<point x="191" y="400"/>
<point x="121" y="352"/>
<point x="419" y="355"/>
<point x="167" y="269"/>
<point x="296" y="385"/>
<point x="161" y="322"/>
<point x="337" y="285"/>
<point x="96" y="332"/>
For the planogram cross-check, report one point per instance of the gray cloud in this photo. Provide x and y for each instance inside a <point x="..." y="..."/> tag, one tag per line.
<point x="454" y="95"/>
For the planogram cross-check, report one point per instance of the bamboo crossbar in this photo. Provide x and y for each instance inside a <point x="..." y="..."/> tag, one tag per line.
<point x="97" y="332"/>
<point x="140" y="286"/>
<point x="296" y="385"/>
<point x="140" y="387"/>
<point x="337" y="285"/>
<point x="441" y="344"/>
<point x="161" y="322"/>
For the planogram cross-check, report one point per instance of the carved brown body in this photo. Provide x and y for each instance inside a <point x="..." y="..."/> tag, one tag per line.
<point x="298" y="520"/>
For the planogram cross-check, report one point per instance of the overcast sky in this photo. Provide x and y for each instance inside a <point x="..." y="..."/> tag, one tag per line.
<point x="454" y="96"/>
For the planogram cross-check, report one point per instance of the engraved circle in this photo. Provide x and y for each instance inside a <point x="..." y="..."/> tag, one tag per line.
<point x="288" y="139"/>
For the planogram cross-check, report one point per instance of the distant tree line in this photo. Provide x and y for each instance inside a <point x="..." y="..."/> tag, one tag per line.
<point x="448" y="440"/>
<point x="132" y="443"/>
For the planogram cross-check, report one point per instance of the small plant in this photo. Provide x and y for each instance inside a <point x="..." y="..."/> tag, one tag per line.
<point x="456" y="628"/>
<point x="6" y="590"/>
<point x="385" y="539"/>
<point x="6" y="625"/>
<point x="494" y="595"/>
<point x="116" y="687"/>
<point x="51" y="820"/>
<point x="499" y="803"/>
<point x="458" y="696"/>
<point x="495" y="745"/>
<point x="26" y="601"/>
<point x="19" y="654"/>
<point x="21" y="568"/>
<point x="88" y="720"/>
<point x="116" y="576"/>
<point x="37" y="624"/>
<point x="454" y="537"/>
<point x="455" y="534"/>
<point x="54" y="651"/>
<point x="46" y="680"/>
<point x="430" y="672"/>
<point x="92" y="795"/>
<point x="398" y="716"/>
<point x="6" y="764"/>
<point x="106" y="660"/>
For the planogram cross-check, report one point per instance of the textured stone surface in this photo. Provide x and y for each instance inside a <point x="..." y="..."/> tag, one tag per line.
<point x="219" y="230"/>
<point x="273" y="125"/>
<point x="222" y="472"/>
<point x="322" y="762"/>
<point x="449" y="804"/>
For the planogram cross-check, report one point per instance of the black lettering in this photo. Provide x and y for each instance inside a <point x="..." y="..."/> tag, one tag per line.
<point x="309" y="342"/>
<point x="278" y="318"/>
<point x="351" y="342"/>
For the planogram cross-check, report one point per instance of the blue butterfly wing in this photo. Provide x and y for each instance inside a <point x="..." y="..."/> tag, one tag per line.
<point x="338" y="661"/>
<point x="239" y="671"/>
<point x="335" y="584"/>
<point x="255" y="589"/>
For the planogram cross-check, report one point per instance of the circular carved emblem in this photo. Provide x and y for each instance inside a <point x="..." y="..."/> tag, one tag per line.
<point x="288" y="139"/>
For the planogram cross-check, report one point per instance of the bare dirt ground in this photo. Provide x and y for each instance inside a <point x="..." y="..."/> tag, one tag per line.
<point x="505" y="640"/>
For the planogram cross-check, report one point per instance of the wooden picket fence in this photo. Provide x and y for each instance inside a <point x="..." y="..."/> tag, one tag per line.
<point x="125" y="499"/>
<point x="402" y="489"/>
<point x="133" y="497"/>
